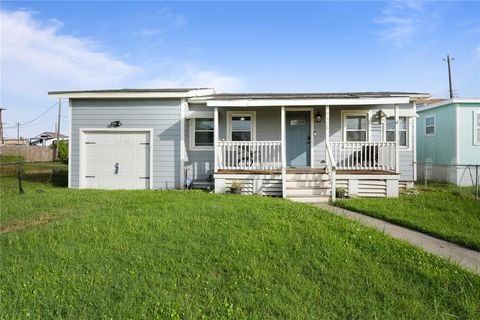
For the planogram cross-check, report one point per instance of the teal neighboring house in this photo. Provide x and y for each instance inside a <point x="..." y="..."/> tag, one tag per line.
<point x="448" y="141"/>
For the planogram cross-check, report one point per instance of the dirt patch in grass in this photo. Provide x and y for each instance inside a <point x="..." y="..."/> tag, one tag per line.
<point x="22" y="224"/>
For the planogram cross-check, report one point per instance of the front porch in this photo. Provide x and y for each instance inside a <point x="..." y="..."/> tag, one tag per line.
<point x="363" y="168"/>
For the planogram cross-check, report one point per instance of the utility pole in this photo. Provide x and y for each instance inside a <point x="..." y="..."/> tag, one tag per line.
<point x="2" y="139"/>
<point x="18" y="132"/>
<point x="58" y="125"/>
<point x="449" y="60"/>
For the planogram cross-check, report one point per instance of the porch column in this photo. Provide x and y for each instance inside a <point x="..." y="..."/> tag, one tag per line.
<point x="215" y="138"/>
<point x="327" y="133"/>
<point x="397" y="140"/>
<point x="284" y="152"/>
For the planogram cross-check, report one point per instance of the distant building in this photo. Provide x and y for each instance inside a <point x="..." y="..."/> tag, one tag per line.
<point x="448" y="140"/>
<point x="46" y="138"/>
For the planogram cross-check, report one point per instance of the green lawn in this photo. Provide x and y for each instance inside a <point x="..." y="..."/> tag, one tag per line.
<point x="442" y="210"/>
<point x="174" y="254"/>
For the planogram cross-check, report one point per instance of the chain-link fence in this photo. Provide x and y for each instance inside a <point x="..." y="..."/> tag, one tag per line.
<point x="464" y="175"/>
<point x="16" y="174"/>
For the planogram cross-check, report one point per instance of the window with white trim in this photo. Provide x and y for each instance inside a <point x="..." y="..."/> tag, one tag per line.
<point x="430" y="125"/>
<point x="356" y="127"/>
<point x="241" y="126"/>
<point x="202" y="134"/>
<point x="402" y="130"/>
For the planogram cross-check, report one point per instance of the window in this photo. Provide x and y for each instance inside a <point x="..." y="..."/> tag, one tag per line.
<point x="430" y="125"/>
<point x="402" y="130"/>
<point x="241" y="126"/>
<point x="202" y="134"/>
<point x="355" y="127"/>
<point x="476" y="127"/>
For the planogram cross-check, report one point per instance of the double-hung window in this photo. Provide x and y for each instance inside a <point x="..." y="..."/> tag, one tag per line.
<point x="356" y="127"/>
<point x="430" y="123"/>
<point x="241" y="126"/>
<point x="402" y="130"/>
<point x="202" y="134"/>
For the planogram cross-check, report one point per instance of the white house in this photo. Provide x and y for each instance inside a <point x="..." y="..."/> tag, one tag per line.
<point x="296" y="145"/>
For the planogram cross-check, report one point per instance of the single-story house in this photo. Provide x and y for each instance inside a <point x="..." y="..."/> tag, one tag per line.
<point x="448" y="141"/>
<point x="301" y="146"/>
<point x="46" y="138"/>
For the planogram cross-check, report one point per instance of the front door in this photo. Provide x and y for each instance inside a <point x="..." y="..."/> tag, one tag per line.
<point x="298" y="138"/>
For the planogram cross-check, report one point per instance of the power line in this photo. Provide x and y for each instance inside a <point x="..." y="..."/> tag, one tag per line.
<point x="34" y="119"/>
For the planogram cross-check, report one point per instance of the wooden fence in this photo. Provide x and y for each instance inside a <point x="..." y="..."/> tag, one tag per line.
<point x="30" y="153"/>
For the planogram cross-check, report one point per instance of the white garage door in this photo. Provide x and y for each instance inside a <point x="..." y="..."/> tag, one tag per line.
<point x="117" y="160"/>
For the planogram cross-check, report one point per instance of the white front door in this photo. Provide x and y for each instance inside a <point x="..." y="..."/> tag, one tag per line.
<point x="116" y="160"/>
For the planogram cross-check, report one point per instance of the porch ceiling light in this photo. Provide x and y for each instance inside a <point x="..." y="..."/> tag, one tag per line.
<point x="318" y="117"/>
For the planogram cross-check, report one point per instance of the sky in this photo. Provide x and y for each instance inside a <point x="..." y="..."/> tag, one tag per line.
<point x="232" y="47"/>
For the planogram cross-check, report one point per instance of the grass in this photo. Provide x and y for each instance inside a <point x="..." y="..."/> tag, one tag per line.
<point x="442" y="210"/>
<point x="11" y="158"/>
<point x="172" y="254"/>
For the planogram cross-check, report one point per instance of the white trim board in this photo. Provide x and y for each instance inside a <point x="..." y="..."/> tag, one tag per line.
<point x="82" y="131"/>
<point x="70" y="146"/>
<point x="305" y="102"/>
<point x="131" y="94"/>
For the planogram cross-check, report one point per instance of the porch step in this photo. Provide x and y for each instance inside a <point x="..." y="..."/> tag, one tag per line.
<point x="301" y="192"/>
<point x="307" y="176"/>
<point x="309" y="198"/>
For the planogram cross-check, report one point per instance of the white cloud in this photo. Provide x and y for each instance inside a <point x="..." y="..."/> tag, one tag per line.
<point x="36" y="57"/>
<point x="190" y="77"/>
<point x="401" y="21"/>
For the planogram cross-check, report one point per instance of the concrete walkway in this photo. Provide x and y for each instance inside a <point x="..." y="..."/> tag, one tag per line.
<point x="469" y="259"/>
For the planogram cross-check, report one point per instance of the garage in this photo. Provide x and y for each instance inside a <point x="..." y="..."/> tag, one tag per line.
<point x="116" y="159"/>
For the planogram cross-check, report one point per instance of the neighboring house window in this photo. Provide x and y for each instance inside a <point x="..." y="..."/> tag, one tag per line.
<point x="241" y="126"/>
<point x="202" y="134"/>
<point x="402" y="130"/>
<point x="430" y="125"/>
<point x="355" y="127"/>
<point x="477" y="127"/>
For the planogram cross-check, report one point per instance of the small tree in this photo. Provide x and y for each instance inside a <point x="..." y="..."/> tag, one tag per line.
<point x="62" y="150"/>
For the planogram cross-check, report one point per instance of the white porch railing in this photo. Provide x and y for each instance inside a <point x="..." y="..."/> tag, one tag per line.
<point x="364" y="155"/>
<point x="249" y="155"/>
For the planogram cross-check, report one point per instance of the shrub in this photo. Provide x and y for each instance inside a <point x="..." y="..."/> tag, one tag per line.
<point x="62" y="150"/>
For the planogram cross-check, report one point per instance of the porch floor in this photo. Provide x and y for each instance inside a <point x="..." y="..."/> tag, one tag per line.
<point x="307" y="170"/>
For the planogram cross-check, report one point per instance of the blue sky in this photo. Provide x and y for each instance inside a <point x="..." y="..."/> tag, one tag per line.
<point x="232" y="46"/>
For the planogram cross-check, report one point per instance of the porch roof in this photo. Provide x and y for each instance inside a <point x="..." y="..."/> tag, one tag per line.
<point x="308" y="99"/>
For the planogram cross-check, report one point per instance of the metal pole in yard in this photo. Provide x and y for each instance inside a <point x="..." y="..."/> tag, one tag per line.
<point x="58" y="126"/>
<point x="426" y="173"/>
<point x="476" y="181"/>
<point x="20" y="188"/>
